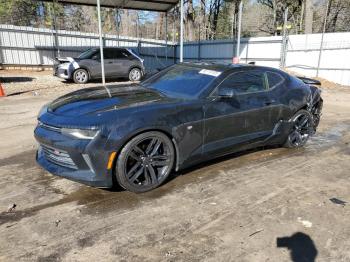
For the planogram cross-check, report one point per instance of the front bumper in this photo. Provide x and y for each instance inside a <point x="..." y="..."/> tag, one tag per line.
<point x="63" y="73"/>
<point x="84" y="161"/>
<point x="64" y="70"/>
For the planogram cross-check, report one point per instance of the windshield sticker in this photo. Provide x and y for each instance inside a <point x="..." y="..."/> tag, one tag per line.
<point x="210" y="72"/>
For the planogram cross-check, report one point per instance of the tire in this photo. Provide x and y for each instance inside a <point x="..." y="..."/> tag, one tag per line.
<point x="317" y="112"/>
<point x="301" y="130"/>
<point x="135" y="74"/>
<point x="80" y="76"/>
<point x="145" y="162"/>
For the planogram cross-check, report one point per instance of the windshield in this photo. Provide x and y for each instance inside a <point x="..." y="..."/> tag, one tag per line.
<point x="182" y="81"/>
<point x="87" y="54"/>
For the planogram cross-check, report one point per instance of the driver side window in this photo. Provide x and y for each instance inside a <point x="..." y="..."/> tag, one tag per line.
<point x="246" y="82"/>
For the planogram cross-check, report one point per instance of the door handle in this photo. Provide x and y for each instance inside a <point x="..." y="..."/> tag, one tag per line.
<point x="110" y="62"/>
<point x="269" y="102"/>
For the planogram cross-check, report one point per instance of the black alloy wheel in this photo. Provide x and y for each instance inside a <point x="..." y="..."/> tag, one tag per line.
<point x="145" y="162"/>
<point x="302" y="129"/>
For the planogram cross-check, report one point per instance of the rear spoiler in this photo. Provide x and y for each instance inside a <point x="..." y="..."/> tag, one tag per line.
<point x="310" y="81"/>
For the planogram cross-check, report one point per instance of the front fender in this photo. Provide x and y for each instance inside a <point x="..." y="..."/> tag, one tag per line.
<point x="183" y="125"/>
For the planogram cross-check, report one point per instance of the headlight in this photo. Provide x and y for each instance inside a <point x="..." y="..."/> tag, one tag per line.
<point x="80" y="133"/>
<point x="64" y="65"/>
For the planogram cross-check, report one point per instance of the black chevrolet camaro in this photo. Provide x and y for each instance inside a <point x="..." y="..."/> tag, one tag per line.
<point x="136" y="135"/>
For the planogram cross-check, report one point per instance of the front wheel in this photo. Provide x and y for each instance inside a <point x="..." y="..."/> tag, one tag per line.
<point x="145" y="162"/>
<point x="80" y="76"/>
<point x="301" y="130"/>
<point x="135" y="74"/>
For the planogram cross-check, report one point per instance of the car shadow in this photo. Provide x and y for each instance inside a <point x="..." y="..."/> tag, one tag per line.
<point x="15" y="79"/>
<point x="98" y="81"/>
<point x="217" y="160"/>
<point x="302" y="248"/>
<point x="208" y="163"/>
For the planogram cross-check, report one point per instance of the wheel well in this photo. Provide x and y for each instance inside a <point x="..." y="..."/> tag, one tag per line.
<point x="141" y="132"/>
<point x="136" y="66"/>
<point x="305" y="107"/>
<point x="87" y="70"/>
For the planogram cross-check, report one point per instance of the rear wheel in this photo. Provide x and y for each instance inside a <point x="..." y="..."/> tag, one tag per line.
<point x="80" y="76"/>
<point x="135" y="74"/>
<point x="302" y="129"/>
<point x="145" y="162"/>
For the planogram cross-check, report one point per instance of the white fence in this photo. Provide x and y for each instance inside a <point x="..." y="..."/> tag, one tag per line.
<point x="303" y="55"/>
<point x="30" y="46"/>
<point x="33" y="46"/>
<point x="263" y="50"/>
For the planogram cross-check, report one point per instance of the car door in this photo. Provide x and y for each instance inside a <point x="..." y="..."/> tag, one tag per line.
<point x="109" y="62"/>
<point x="94" y="64"/>
<point x="121" y="62"/>
<point x="245" y="118"/>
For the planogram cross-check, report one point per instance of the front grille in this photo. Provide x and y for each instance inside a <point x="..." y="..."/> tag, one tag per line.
<point x="58" y="157"/>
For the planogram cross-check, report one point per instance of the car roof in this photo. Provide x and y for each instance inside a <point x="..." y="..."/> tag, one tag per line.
<point x="223" y="67"/>
<point x="109" y="48"/>
<point x="213" y="65"/>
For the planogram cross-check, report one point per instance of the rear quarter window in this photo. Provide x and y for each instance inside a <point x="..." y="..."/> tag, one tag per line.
<point x="274" y="79"/>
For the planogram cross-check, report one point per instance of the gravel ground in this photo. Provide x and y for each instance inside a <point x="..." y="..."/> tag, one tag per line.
<point x="41" y="83"/>
<point x="262" y="205"/>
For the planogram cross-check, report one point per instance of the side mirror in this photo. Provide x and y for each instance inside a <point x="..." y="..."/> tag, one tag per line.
<point x="225" y="92"/>
<point x="95" y="57"/>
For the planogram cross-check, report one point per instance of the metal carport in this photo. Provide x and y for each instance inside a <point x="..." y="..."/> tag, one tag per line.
<point x="150" y="5"/>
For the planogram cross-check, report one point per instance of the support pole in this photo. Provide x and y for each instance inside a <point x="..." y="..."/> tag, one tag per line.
<point x="174" y="29"/>
<point x="322" y="37"/>
<point x="199" y="42"/>
<point x="233" y="22"/>
<point x="182" y="31"/>
<point x="238" y="46"/>
<point x="54" y="26"/>
<point x="174" y="38"/>
<point x="101" y="45"/>
<point x="118" y="19"/>
<point x="166" y="37"/>
<point x="137" y="26"/>
<point x="284" y="40"/>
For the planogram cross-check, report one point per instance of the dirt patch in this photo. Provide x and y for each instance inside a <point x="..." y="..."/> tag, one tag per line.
<point x="36" y="83"/>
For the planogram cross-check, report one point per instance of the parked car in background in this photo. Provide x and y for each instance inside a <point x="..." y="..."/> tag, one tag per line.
<point x="136" y="135"/>
<point x="118" y="62"/>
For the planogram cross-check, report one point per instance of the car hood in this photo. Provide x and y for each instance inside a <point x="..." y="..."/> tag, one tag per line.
<point x="62" y="60"/>
<point x="96" y="100"/>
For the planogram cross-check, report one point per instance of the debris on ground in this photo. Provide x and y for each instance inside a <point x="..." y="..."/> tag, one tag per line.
<point x="337" y="201"/>
<point x="305" y="223"/>
<point x="11" y="208"/>
<point x="57" y="222"/>
<point x="256" y="232"/>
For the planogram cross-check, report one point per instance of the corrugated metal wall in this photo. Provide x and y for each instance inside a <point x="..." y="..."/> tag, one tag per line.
<point x="303" y="54"/>
<point x="263" y="50"/>
<point x="33" y="46"/>
<point x="39" y="47"/>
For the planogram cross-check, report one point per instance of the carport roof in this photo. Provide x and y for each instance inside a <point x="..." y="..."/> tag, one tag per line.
<point x="150" y="5"/>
